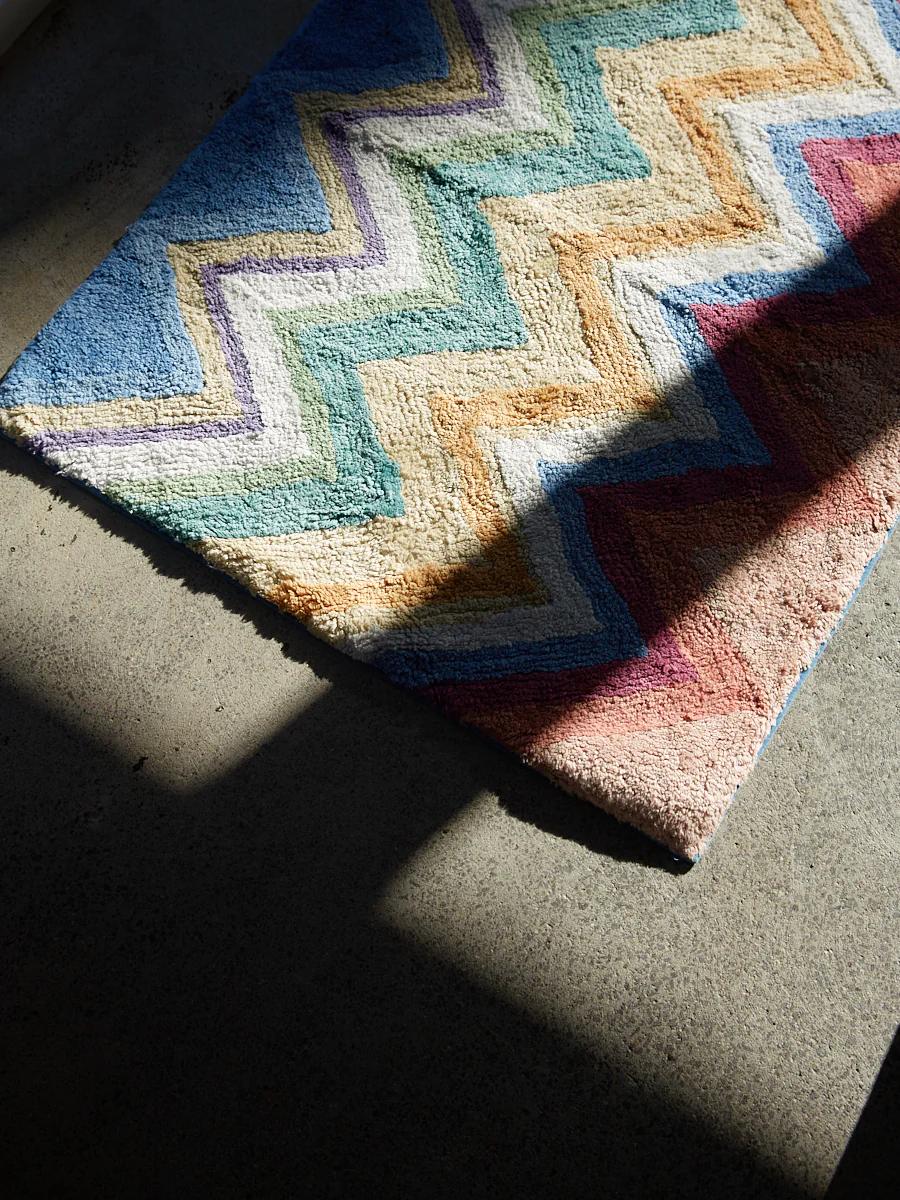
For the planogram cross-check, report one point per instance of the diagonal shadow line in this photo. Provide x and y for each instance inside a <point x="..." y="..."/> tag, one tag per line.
<point x="870" y="1165"/>
<point x="814" y="437"/>
<point x="198" y="1003"/>
<point x="498" y="771"/>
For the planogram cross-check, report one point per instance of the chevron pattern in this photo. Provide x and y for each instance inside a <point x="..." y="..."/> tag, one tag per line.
<point x="544" y="355"/>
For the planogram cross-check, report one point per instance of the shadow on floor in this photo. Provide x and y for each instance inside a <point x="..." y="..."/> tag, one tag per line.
<point x="870" y="1166"/>
<point x="203" y="1005"/>
<point x="528" y="796"/>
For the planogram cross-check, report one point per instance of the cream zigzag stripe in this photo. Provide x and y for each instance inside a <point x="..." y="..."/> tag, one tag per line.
<point x="404" y="380"/>
<point x="544" y="369"/>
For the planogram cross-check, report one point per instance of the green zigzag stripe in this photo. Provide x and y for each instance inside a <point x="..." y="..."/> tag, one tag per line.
<point x="587" y="145"/>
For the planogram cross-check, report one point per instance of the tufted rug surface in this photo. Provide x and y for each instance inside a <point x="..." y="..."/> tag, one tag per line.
<point x="544" y="355"/>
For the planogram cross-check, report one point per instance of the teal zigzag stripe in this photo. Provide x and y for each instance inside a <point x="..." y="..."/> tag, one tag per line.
<point x="485" y="316"/>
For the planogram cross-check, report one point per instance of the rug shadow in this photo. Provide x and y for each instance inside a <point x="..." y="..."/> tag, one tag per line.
<point x="518" y="788"/>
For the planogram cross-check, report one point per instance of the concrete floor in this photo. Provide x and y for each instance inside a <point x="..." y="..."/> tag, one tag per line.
<point x="277" y="930"/>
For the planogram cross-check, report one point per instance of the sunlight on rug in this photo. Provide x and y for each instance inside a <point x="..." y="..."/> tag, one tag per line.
<point x="543" y="355"/>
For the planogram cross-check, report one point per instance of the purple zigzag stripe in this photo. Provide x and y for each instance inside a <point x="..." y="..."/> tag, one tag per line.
<point x="335" y="127"/>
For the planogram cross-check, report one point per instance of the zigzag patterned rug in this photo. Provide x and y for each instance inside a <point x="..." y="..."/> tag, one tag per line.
<point x="545" y="355"/>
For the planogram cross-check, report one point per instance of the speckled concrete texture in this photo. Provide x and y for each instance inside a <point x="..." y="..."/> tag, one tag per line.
<point x="273" y="929"/>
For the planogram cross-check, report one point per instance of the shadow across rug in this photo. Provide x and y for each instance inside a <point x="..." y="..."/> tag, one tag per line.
<point x="543" y="355"/>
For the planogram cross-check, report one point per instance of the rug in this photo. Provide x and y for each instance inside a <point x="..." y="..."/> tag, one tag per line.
<point x="543" y="355"/>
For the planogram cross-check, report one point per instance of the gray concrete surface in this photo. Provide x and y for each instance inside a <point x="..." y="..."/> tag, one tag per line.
<point x="272" y="928"/>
